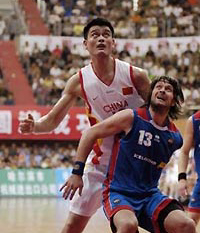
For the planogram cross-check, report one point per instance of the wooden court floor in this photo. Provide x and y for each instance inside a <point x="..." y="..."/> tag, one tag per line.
<point x="43" y="215"/>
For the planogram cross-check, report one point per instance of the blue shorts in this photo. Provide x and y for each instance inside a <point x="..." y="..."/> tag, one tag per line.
<point x="194" y="204"/>
<point x="145" y="206"/>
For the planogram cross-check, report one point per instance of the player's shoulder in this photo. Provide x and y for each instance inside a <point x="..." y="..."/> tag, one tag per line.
<point x="135" y="69"/>
<point x="143" y="113"/>
<point x="74" y="78"/>
<point x="196" y="115"/>
<point x="73" y="85"/>
<point x="139" y="72"/>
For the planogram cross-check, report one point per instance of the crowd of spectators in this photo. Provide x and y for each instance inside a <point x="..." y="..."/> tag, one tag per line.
<point x="48" y="71"/>
<point x="6" y="96"/>
<point x="151" y="18"/>
<point x="26" y="154"/>
<point x="10" y="27"/>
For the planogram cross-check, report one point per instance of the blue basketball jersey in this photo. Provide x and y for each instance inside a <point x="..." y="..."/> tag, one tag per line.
<point x="194" y="204"/>
<point x="196" y="127"/>
<point x="137" y="163"/>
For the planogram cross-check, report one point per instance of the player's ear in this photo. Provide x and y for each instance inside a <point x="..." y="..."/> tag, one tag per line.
<point x="85" y="43"/>
<point x="114" y="44"/>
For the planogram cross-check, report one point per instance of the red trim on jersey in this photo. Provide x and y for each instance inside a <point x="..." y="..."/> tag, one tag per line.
<point x="114" y="157"/>
<point x="98" y="152"/>
<point x="194" y="209"/>
<point x="197" y="115"/>
<point x="109" y="177"/>
<point x="157" y="212"/>
<point x="143" y="112"/>
<point x="84" y="93"/>
<point x="172" y="127"/>
<point x="92" y="121"/>
<point x="106" y="199"/>
<point x="115" y="210"/>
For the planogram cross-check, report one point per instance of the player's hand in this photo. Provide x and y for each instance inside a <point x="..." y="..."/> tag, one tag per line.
<point x="27" y="125"/>
<point x="182" y="188"/>
<point x="71" y="185"/>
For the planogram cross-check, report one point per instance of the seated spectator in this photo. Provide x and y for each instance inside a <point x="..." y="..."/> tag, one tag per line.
<point x="100" y="4"/>
<point x="150" y="52"/>
<point x="157" y="69"/>
<point x="26" y="49"/>
<point x="67" y="29"/>
<point x="57" y="51"/>
<point x="6" y="97"/>
<point x="171" y="71"/>
<point x="10" y="99"/>
<point x="55" y="71"/>
<point x="35" y="49"/>
<point x="46" y="52"/>
<point x="59" y="9"/>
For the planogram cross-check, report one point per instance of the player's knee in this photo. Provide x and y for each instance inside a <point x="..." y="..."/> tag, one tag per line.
<point x="75" y="223"/>
<point x="71" y="226"/>
<point x="185" y="225"/>
<point x="128" y="227"/>
<point x="188" y="226"/>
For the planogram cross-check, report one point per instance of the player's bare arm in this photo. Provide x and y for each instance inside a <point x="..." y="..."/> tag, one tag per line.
<point x="187" y="145"/>
<point x="141" y="82"/>
<point x="53" y="118"/>
<point x="184" y="157"/>
<point x="121" y="121"/>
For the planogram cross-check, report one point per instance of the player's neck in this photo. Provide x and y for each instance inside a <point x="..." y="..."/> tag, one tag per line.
<point x="104" y="69"/>
<point x="160" y="118"/>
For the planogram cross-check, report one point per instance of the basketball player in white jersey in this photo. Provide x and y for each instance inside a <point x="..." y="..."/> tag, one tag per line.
<point x="107" y="85"/>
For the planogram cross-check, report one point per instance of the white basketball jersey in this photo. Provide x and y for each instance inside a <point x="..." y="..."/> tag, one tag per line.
<point x="105" y="100"/>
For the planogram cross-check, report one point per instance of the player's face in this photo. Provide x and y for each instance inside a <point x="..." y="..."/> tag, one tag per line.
<point x="163" y="94"/>
<point x="99" y="41"/>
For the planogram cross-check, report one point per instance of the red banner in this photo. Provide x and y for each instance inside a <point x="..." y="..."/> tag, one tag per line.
<point x="69" y="129"/>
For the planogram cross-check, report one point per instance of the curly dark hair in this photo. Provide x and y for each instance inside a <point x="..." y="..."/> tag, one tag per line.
<point x="177" y="91"/>
<point x="97" y="22"/>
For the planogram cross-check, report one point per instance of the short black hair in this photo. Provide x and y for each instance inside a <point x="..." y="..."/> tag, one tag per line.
<point x="178" y="94"/>
<point x="97" y="22"/>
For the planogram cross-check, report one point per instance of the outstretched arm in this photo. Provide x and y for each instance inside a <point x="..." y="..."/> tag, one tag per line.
<point x="121" y="121"/>
<point x="141" y="82"/>
<point x="53" y="118"/>
<point x="184" y="156"/>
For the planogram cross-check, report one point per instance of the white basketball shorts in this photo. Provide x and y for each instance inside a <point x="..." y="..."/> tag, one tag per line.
<point x="91" y="198"/>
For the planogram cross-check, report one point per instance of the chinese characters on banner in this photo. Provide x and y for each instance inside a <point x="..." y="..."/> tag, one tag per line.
<point x="32" y="182"/>
<point x="5" y="122"/>
<point x="69" y="129"/>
